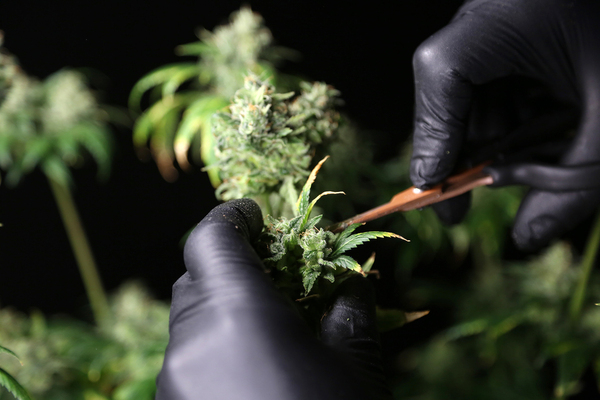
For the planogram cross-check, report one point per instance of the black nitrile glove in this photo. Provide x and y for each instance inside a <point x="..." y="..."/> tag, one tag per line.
<point x="233" y="336"/>
<point x="556" y="43"/>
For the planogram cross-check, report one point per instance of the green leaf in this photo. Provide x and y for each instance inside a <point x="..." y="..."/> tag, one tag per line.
<point x="134" y="390"/>
<point x="347" y="262"/>
<point x="345" y="234"/>
<point x="389" y="319"/>
<point x="358" y="239"/>
<point x="8" y="351"/>
<point x="142" y="129"/>
<point x="54" y="168"/>
<point x="309" y="277"/>
<point x="35" y="151"/>
<point x="185" y="73"/>
<point x="329" y="275"/>
<point x="97" y="141"/>
<point x="313" y="222"/>
<point x="193" y="49"/>
<point x="571" y="366"/>
<point x="303" y="204"/>
<point x="150" y="122"/>
<point x="367" y="265"/>
<point x="13" y="386"/>
<point x="197" y="119"/>
<point x="157" y="77"/>
<point x="311" y="206"/>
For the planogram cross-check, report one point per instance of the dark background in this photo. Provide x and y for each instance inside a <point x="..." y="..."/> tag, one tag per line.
<point x="135" y="220"/>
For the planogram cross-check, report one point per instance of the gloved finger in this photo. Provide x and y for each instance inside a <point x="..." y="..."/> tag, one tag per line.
<point x="453" y="210"/>
<point x="223" y="239"/>
<point x="545" y="215"/>
<point x="350" y="328"/>
<point x="477" y="47"/>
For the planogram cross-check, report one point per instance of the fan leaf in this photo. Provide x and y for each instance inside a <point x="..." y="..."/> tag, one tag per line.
<point x="14" y="387"/>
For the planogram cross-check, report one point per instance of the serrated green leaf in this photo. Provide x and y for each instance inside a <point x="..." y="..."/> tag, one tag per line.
<point x="154" y="78"/>
<point x="347" y="262"/>
<point x="11" y="384"/>
<point x="359" y="238"/>
<point x="303" y="200"/>
<point x="329" y="275"/>
<point x="309" y="277"/>
<point x="345" y="234"/>
<point x="295" y="223"/>
<point x="313" y="222"/>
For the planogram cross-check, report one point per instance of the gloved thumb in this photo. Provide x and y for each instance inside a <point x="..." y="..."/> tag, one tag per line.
<point x="350" y="328"/>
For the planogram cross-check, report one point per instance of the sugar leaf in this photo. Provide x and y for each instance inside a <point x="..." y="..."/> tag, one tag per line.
<point x="347" y="262"/>
<point x="357" y="239"/>
<point x="309" y="277"/>
<point x="303" y="200"/>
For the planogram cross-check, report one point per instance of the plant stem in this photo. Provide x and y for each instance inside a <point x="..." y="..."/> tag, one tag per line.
<point x="589" y="255"/>
<point x="82" y="251"/>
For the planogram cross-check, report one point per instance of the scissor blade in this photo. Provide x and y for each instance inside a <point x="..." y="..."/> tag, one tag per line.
<point x="413" y="197"/>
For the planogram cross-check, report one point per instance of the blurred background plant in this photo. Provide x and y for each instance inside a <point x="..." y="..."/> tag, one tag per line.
<point x="54" y="125"/>
<point x="67" y="359"/>
<point x="523" y="330"/>
<point x="184" y="96"/>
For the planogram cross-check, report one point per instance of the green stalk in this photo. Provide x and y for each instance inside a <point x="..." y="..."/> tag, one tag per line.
<point x="591" y="249"/>
<point x="82" y="251"/>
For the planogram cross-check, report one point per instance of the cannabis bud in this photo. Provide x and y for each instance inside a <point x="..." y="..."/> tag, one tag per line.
<point x="301" y="252"/>
<point x="265" y="141"/>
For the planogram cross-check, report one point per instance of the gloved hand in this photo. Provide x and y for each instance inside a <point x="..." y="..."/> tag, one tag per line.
<point x="556" y="43"/>
<point x="233" y="336"/>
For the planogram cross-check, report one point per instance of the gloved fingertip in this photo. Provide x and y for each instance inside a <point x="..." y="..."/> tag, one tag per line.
<point x="351" y="314"/>
<point x="453" y="211"/>
<point x="423" y="172"/>
<point x="244" y="214"/>
<point x="350" y="328"/>
<point x="530" y="236"/>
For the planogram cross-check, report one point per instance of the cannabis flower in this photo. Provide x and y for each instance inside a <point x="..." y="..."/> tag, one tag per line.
<point x="265" y="142"/>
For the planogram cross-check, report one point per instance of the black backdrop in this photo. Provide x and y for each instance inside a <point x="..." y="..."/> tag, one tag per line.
<point x="135" y="220"/>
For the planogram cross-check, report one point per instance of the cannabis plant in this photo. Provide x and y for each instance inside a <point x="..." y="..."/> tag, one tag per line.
<point x="303" y="257"/>
<point x="54" y="125"/>
<point x="265" y="143"/>
<point x="266" y="140"/>
<point x="9" y="383"/>
<point x="67" y="360"/>
<point x="525" y="330"/>
<point x="185" y="95"/>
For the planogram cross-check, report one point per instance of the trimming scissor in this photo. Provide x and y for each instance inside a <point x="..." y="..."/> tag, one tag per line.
<point x="500" y="171"/>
